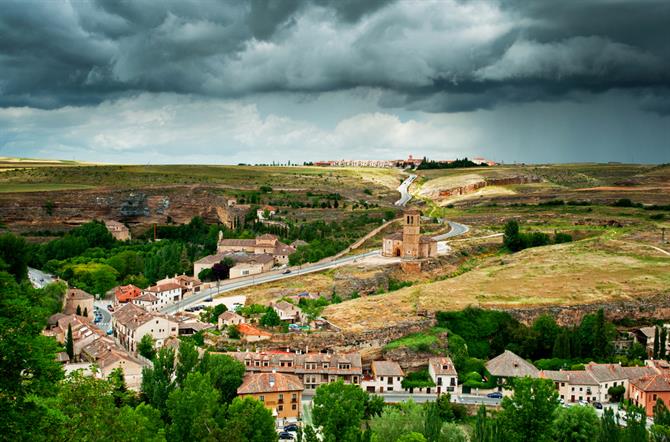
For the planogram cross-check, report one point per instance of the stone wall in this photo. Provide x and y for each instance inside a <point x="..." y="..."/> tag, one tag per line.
<point x="650" y="308"/>
<point x="473" y="187"/>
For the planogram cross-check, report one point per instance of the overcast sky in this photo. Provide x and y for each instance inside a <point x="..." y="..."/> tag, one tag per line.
<point x="182" y="81"/>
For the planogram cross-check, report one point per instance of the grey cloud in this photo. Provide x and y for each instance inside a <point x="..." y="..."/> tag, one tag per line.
<point x="435" y="57"/>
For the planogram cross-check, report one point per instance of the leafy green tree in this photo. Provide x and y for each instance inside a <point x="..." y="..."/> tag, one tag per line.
<point x="247" y="420"/>
<point x="511" y="237"/>
<point x="575" y="424"/>
<point x="412" y="437"/>
<point x="339" y="409"/>
<point x="15" y="254"/>
<point x="187" y="361"/>
<point x="146" y="347"/>
<point x="233" y="332"/>
<point x="616" y="393"/>
<point x="637" y="351"/>
<point x="193" y="410"/>
<point x="216" y="312"/>
<point x="157" y="383"/>
<point x="69" y="343"/>
<point x="309" y="434"/>
<point x="432" y="421"/>
<point x="561" y="348"/>
<point x="485" y="428"/>
<point x="451" y="432"/>
<point x="546" y="332"/>
<point x="122" y="396"/>
<point x="609" y="429"/>
<point x="407" y="417"/>
<point x="270" y="318"/>
<point x="226" y="374"/>
<point x="527" y="415"/>
<point x="600" y="342"/>
<point x="636" y="425"/>
<point x="374" y="405"/>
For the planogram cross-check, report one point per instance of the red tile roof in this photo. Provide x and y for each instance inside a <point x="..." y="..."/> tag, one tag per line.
<point x="249" y="330"/>
<point x="269" y="383"/>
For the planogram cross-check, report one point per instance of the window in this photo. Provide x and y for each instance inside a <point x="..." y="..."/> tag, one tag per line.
<point x="281" y="396"/>
<point x="294" y="407"/>
<point x="261" y="398"/>
<point x="439" y="380"/>
<point x="325" y="365"/>
<point x="280" y="407"/>
<point x="389" y="380"/>
<point x="654" y="396"/>
<point x="294" y="396"/>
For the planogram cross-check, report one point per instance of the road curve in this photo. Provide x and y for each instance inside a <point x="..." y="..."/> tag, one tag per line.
<point x="404" y="191"/>
<point x="456" y="230"/>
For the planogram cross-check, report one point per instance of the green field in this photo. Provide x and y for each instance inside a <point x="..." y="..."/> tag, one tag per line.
<point x="41" y="187"/>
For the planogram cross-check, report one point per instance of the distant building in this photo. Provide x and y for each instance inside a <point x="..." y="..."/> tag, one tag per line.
<point x="281" y="393"/>
<point x="131" y="322"/>
<point x="313" y="369"/>
<point x="508" y="365"/>
<point x="647" y="390"/>
<point x="189" y="284"/>
<point x="229" y="318"/>
<point x="79" y="299"/>
<point x="265" y="212"/>
<point x="250" y="333"/>
<point x="443" y="373"/>
<point x="166" y="293"/>
<point x="246" y="264"/>
<point x="126" y="293"/>
<point x="264" y="244"/>
<point x="107" y="356"/>
<point x="409" y="243"/>
<point x="148" y="301"/>
<point x="386" y="376"/>
<point x="118" y="230"/>
<point x="287" y="311"/>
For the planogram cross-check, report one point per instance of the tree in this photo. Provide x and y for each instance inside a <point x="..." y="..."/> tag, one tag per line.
<point x="600" y="342"/>
<point x="616" y="393"/>
<point x="660" y="431"/>
<point x="636" y="425"/>
<point x="78" y="311"/>
<point x="511" y="237"/>
<point x="656" y="343"/>
<point x="233" y="332"/>
<point x="146" y="347"/>
<point x="609" y="429"/>
<point x="85" y="312"/>
<point x="661" y="345"/>
<point x="452" y="433"/>
<point x="412" y="437"/>
<point x="157" y="381"/>
<point x="225" y="373"/>
<point x="122" y="396"/>
<point x="216" y="312"/>
<point x="15" y="254"/>
<point x="309" y="435"/>
<point x="575" y="424"/>
<point x="270" y="318"/>
<point x="407" y="417"/>
<point x="485" y="428"/>
<point x="69" y="343"/>
<point x="247" y="420"/>
<point x="186" y="362"/>
<point x="527" y="415"/>
<point x="561" y="348"/>
<point x="338" y="409"/>
<point x="193" y="410"/>
<point x="546" y="331"/>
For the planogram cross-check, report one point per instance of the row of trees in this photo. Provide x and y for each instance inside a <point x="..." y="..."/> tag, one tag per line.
<point x="514" y="240"/>
<point x="427" y="164"/>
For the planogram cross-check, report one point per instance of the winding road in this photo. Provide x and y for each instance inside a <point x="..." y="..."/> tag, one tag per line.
<point x="404" y="191"/>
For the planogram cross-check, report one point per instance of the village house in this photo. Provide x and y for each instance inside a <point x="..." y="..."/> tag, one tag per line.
<point x="574" y="385"/>
<point x="443" y="373"/>
<point x="409" y="243"/>
<point x="509" y="365"/>
<point x="265" y="212"/>
<point x="264" y="244"/>
<point x="148" y="302"/>
<point x="126" y="293"/>
<point x="79" y="300"/>
<point x="613" y="375"/>
<point x="119" y="231"/>
<point x="131" y="322"/>
<point x="281" y="393"/>
<point x="647" y="390"/>
<point x="249" y="333"/>
<point x="83" y="332"/>
<point x="107" y="356"/>
<point x="287" y="311"/>
<point x="189" y="284"/>
<point x="246" y="264"/>
<point x="168" y="293"/>
<point x="229" y="318"/>
<point x="386" y="376"/>
<point x="313" y="369"/>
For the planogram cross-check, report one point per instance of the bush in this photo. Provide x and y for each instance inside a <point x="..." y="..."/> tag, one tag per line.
<point x="561" y="238"/>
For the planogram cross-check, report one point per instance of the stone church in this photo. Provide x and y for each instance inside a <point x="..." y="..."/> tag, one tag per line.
<point x="410" y="244"/>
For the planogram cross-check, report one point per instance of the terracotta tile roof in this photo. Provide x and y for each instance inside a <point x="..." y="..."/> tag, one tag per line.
<point x="267" y="237"/>
<point x="269" y="383"/>
<point x="510" y="365"/>
<point x="614" y="372"/>
<point x="299" y="362"/>
<point x="283" y="249"/>
<point x="133" y="316"/>
<point x="125" y="293"/>
<point x="249" y="330"/>
<point x="78" y="294"/>
<point x="656" y="382"/>
<point x="554" y="375"/>
<point x="237" y="243"/>
<point x="286" y="307"/>
<point x="580" y="377"/>
<point x="443" y="366"/>
<point x="147" y="297"/>
<point x="164" y="287"/>
<point x="387" y="368"/>
<point x="226" y="316"/>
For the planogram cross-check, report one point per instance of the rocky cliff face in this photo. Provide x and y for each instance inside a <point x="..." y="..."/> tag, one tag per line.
<point x="657" y="307"/>
<point x="473" y="187"/>
<point x="139" y="207"/>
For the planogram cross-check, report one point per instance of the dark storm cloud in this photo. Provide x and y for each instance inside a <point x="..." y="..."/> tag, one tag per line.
<point x="433" y="56"/>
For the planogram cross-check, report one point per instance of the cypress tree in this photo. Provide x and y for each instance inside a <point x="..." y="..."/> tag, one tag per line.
<point x="562" y="345"/>
<point x="656" y="342"/>
<point x="69" y="343"/>
<point x="661" y="345"/>
<point x="78" y="312"/>
<point x="86" y="311"/>
<point x="600" y="336"/>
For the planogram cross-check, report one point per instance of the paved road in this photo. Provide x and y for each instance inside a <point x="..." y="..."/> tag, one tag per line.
<point x="38" y="278"/>
<point x="404" y="193"/>
<point x="106" y="323"/>
<point x="400" y="396"/>
<point x="456" y="230"/>
<point x="260" y="279"/>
